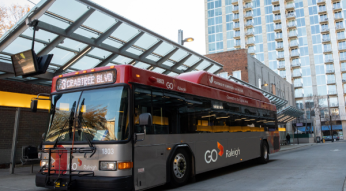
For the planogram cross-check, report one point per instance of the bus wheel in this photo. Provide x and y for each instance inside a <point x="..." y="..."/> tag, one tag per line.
<point x="264" y="153"/>
<point x="180" y="168"/>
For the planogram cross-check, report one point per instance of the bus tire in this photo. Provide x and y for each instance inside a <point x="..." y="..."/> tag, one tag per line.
<point x="180" y="167"/>
<point x="264" y="158"/>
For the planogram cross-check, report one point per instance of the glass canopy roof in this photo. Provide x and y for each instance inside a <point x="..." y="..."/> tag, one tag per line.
<point x="82" y="34"/>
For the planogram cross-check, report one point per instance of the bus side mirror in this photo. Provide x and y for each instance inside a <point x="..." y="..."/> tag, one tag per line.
<point x="145" y="119"/>
<point x="34" y="105"/>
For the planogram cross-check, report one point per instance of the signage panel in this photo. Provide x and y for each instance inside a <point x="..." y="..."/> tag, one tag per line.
<point x="24" y="63"/>
<point x="84" y="80"/>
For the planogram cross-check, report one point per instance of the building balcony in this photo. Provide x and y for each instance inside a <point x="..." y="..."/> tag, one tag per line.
<point x="333" y="104"/>
<point x="275" y="2"/>
<point x="278" y="37"/>
<point x="237" y="45"/>
<point x="341" y="37"/>
<point x="277" y="19"/>
<point x="293" y="34"/>
<point x="327" y="50"/>
<point x="295" y="54"/>
<point x="250" y="33"/>
<point x="337" y="8"/>
<point x="295" y="64"/>
<point x="330" y="71"/>
<point x="234" y="2"/>
<point x="277" y="28"/>
<point x="248" y="7"/>
<point x="249" y="24"/>
<point x="248" y="16"/>
<point x="281" y="67"/>
<point x="343" y="80"/>
<point x="236" y="27"/>
<point x="279" y="47"/>
<point x="292" y="25"/>
<point x="321" y="2"/>
<point x="283" y="76"/>
<point x="322" y="10"/>
<point x="338" y="17"/>
<point x="339" y="28"/>
<point x="297" y="75"/>
<point x="332" y="92"/>
<point x="251" y="51"/>
<point x="294" y="44"/>
<point x="290" y="15"/>
<point x="328" y="60"/>
<point x="280" y="57"/>
<point x="343" y="69"/>
<point x="343" y="59"/>
<point x="236" y="18"/>
<point x="325" y="30"/>
<point x="290" y="6"/>
<point x="298" y="85"/>
<point x="331" y="82"/>
<point x="250" y="42"/>
<point x="276" y="9"/>
<point x="326" y="40"/>
<point x="235" y="9"/>
<point x="324" y="20"/>
<point x="299" y="95"/>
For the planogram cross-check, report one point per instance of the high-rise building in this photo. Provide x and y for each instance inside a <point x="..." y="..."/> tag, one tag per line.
<point x="303" y="40"/>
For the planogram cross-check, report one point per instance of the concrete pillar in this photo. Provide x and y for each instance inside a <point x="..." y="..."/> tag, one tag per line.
<point x="344" y="129"/>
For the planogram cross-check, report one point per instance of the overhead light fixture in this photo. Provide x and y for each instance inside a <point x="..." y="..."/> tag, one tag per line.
<point x="213" y="115"/>
<point x="222" y="117"/>
<point x="190" y="39"/>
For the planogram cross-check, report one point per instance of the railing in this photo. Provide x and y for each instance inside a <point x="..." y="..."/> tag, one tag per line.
<point x="236" y="26"/>
<point x="297" y="74"/>
<point x="330" y="71"/>
<point x="249" y="33"/>
<point x="322" y="9"/>
<point x="236" y="8"/>
<point x="279" y="46"/>
<point x="330" y="81"/>
<point x="327" y="50"/>
<point x="281" y="66"/>
<point x="325" y="29"/>
<point x="236" y="17"/>
<point x="292" y="24"/>
<point x="331" y="92"/>
<point x="325" y="39"/>
<point x="234" y="1"/>
<point x="321" y="1"/>
<point x="299" y="95"/>
<point x="338" y="16"/>
<point x="337" y="6"/>
<point x="278" y="27"/>
<point x="323" y="19"/>
<point x="249" y="24"/>
<point x="341" y="37"/>
<point x="342" y="47"/>
<point x="251" y="51"/>
<point x="297" y="85"/>
<point x="237" y="44"/>
<point x="343" y="69"/>
<point x="289" y="15"/>
<point x="292" y="34"/>
<point x="276" y="8"/>
<point x="283" y="76"/>
<point x="337" y="27"/>
<point x="274" y="1"/>
<point x="277" y="18"/>
<point x="328" y="60"/>
<point x="291" y="5"/>
<point x="249" y="15"/>
<point x="334" y="104"/>
<point x="293" y="54"/>
<point x="294" y="43"/>
<point x="248" y="6"/>
<point x="278" y="36"/>
<point x="343" y="59"/>
<point x="281" y="56"/>
<point x="250" y="42"/>
<point x="296" y="64"/>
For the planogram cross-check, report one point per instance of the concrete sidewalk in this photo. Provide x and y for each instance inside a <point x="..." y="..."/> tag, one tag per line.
<point x="295" y="146"/>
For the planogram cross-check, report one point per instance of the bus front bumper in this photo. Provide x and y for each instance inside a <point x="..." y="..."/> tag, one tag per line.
<point x="88" y="182"/>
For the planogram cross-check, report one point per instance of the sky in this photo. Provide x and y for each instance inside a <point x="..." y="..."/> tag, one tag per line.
<point x="164" y="17"/>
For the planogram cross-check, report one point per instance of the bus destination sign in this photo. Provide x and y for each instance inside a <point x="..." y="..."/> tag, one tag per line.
<point x="84" y="80"/>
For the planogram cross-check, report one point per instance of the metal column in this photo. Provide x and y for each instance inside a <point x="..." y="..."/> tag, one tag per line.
<point x="14" y="141"/>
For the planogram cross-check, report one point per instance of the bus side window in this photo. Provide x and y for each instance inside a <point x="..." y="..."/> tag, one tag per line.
<point x="142" y="105"/>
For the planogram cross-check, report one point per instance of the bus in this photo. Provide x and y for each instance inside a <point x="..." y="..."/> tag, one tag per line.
<point x="124" y="128"/>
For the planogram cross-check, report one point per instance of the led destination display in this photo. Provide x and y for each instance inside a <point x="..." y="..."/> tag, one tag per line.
<point x="91" y="79"/>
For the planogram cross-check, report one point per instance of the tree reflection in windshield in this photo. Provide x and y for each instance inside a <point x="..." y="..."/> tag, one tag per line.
<point x="101" y="116"/>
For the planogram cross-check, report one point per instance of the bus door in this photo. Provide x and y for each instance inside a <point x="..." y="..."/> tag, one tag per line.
<point x="149" y="149"/>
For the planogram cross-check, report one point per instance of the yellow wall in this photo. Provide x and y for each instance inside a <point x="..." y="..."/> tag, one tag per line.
<point x="9" y="99"/>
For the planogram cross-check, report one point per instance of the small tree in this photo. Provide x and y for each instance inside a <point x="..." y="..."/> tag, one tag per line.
<point x="10" y="15"/>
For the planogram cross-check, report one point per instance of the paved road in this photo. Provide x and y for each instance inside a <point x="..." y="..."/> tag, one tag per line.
<point x="317" y="167"/>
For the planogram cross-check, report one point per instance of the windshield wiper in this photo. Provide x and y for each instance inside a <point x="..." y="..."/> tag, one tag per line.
<point x="80" y="120"/>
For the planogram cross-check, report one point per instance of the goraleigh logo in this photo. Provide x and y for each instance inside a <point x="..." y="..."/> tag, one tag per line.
<point x="211" y="79"/>
<point x="232" y="153"/>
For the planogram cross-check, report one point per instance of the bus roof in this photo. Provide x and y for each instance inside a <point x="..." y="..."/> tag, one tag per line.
<point x="198" y="83"/>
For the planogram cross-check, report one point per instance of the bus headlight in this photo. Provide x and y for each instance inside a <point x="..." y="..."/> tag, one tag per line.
<point x="108" y="165"/>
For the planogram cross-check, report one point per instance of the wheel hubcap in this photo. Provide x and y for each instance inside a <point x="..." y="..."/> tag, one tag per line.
<point x="265" y="152"/>
<point x="179" y="166"/>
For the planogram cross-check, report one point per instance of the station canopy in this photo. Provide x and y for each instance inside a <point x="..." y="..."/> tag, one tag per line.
<point x="82" y="35"/>
<point x="289" y="114"/>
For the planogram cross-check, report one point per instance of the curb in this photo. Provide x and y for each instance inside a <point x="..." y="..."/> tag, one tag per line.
<point x="344" y="187"/>
<point x="296" y="148"/>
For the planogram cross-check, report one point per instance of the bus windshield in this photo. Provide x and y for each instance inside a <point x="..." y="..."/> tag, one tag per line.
<point x="91" y="115"/>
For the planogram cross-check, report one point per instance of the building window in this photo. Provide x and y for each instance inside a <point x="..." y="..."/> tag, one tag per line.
<point x="237" y="74"/>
